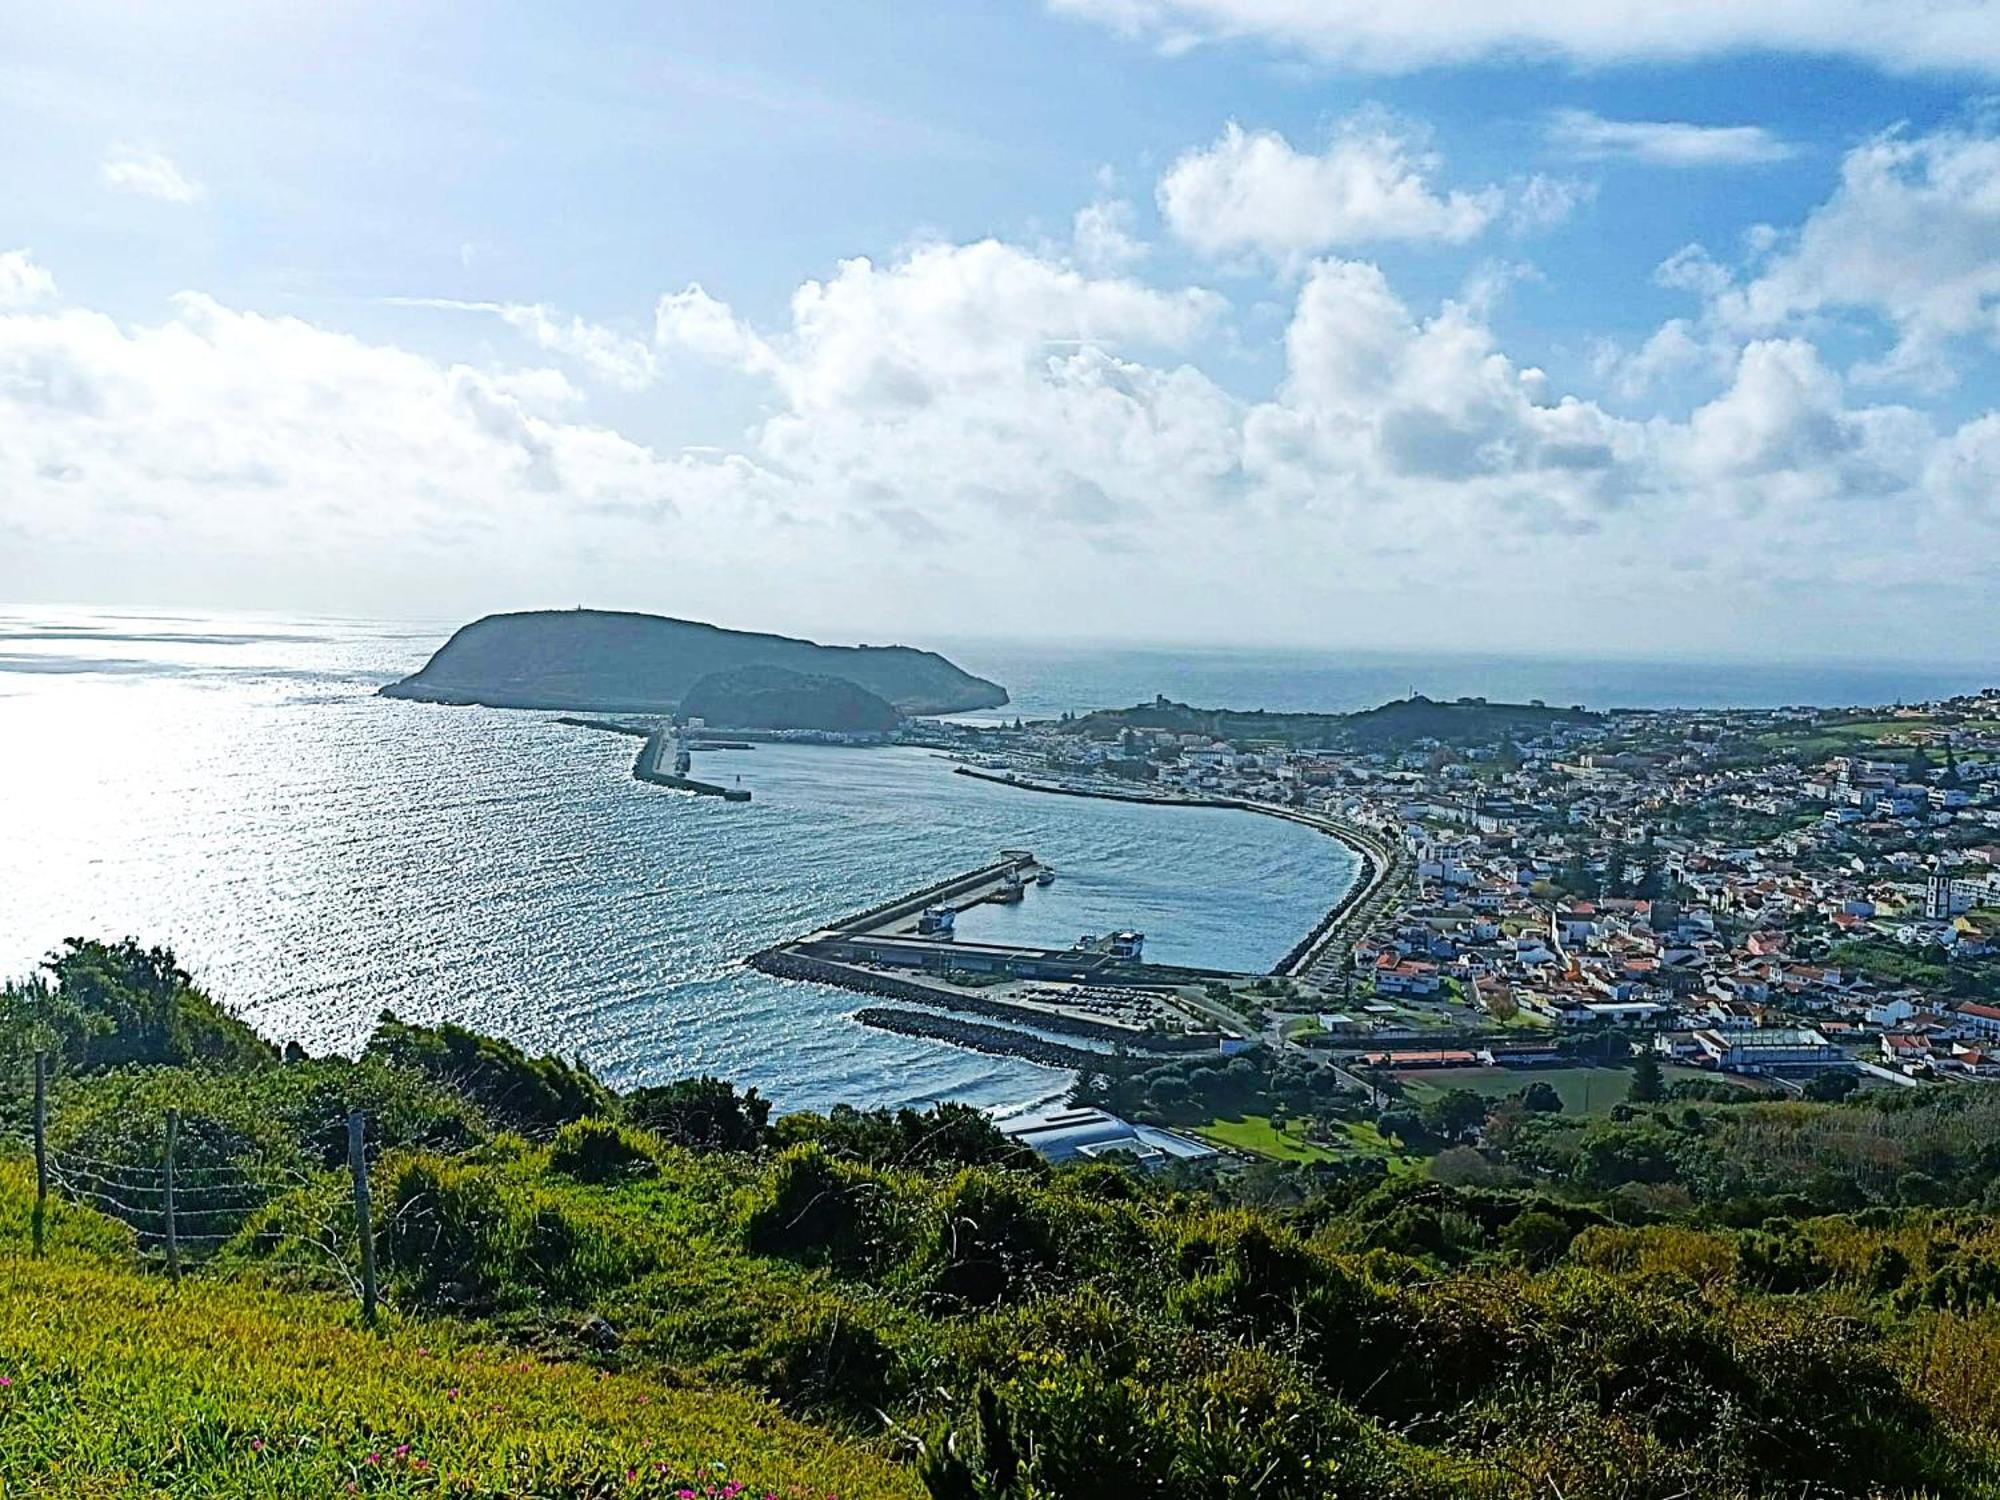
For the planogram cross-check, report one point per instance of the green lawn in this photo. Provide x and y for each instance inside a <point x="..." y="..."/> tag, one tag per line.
<point x="119" y="1383"/>
<point x="1827" y="738"/>
<point x="1582" y="1090"/>
<point x="1256" y="1134"/>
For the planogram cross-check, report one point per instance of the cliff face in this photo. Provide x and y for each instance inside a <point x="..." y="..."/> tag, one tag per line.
<point x="607" y="661"/>
<point x="776" y="698"/>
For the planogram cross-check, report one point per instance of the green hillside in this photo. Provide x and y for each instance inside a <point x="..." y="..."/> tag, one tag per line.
<point x="1405" y="722"/>
<point x="762" y="697"/>
<point x="908" y="1304"/>
<point x="122" y="1383"/>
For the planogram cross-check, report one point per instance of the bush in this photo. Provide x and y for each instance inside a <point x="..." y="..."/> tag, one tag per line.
<point x="1538" y="1238"/>
<point x="703" y="1113"/>
<point x="826" y="1356"/>
<point x="600" y="1151"/>
<point x="994" y="1240"/>
<point x="107" y="1005"/>
<point x="468" y="1235"/>
<point x="528" y="1093"/>
<point x="944" y="1135"/>
<point x="812" y="1208"/>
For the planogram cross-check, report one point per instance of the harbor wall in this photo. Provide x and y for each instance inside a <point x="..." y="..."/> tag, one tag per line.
<point x="783" y="964"/>
<point x="997" y="1041"/>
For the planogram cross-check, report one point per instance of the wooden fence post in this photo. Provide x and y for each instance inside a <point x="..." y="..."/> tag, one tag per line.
<point x="364" y="1227"/>
<point x="41" y="1146"/>
<point x="173" y="1144"/>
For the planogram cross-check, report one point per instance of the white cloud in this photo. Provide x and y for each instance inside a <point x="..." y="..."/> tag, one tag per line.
<point x="1911" y="236"/>
<point x="609" y="356"/>
<point x="1253" y="191"/>
<point x="945" y="320"/>
<point x="1670" y="143"/>
<point x="1103" y="238"/>
<point x="975" y="433"/>
<point x="1954" y="35"/>
<point x="22" y="282"/>
<point x="271" y="453"/>
<point x="149" y="172"/>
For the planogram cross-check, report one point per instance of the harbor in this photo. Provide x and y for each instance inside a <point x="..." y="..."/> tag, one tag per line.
<point x="1320" y="956"/>
<point x="1101" y="990"/>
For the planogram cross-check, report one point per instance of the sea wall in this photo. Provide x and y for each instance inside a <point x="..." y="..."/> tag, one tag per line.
<point x="999" y="1041"/>
<point x="783" y="964"/>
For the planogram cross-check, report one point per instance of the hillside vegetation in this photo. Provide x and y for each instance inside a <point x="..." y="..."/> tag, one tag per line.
<point x="762" y="697"/>
<point x="866" y="1303"/>
<point x="1389" y="726"/>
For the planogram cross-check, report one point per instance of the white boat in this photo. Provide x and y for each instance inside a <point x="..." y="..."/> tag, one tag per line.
<point x="1045" y="876"/>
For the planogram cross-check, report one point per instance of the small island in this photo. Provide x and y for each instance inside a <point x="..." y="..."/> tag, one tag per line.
<point x="766" y="697"/>
<point x="609" y="661"/>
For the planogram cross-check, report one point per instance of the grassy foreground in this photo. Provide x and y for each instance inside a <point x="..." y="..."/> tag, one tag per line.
<point x="120" y="1383"/>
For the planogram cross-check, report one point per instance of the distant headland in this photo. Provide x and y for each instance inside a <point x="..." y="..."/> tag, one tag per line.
<point x="609" y="661"/>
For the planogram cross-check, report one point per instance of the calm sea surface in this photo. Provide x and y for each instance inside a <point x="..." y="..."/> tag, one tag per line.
<point x="316" y="854"/>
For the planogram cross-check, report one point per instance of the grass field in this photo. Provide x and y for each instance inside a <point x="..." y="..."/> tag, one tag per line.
<point x="1256" y="1134"/>
<point x="117" y="1382"/>
<point x="1582" y="1090"/>
<point x="1828" y="738"/>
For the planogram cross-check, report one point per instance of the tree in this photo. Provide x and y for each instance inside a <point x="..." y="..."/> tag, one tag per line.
<point x="1647" y="1086"/>
<point x="702" y="1112"/>
<point x="517" y="1090"/>
<point x="113" y="1004"/>
<point x="1540" y="1098"/>
<point x="1456" y="1113"/>
<point x="1830" y="1085"/>
<point x="1538" y="1238"/>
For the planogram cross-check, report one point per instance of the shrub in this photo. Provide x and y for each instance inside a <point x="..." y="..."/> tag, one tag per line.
<point x="465" y="1234"/>
<point x="826" y="1356"/>
<point x="530" y="1093"/>
<point x="703" y="1113"/>
<point x="600" y="1151"/>
<point x="812" y="1208"/>
<point x="994" y="1239"/>
<point x="1537" y="1238"/>
<point x="107" y="1005"/>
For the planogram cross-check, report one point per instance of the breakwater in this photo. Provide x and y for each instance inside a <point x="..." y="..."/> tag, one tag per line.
<point x="782" y="963"/>
<point x="998" y="1041"/>
<point x="1057" y="789"/>
<point x="606" y="726"/>
<point x="1018" y="862"/>
<point x="647" y="768"/>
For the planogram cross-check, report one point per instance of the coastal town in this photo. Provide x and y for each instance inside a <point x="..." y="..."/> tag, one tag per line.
<point x="1792" y="899"/>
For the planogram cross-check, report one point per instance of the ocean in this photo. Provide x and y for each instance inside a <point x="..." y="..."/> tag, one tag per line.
<point x="317" y="855"/>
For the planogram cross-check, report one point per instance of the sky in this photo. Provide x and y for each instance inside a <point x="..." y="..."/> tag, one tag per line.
<point x="1601" y="327"/>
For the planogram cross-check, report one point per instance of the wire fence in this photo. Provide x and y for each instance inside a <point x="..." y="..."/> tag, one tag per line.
<point x="194" y="1208"/>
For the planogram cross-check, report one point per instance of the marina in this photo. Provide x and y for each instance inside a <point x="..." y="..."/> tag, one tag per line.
<point x="1100" y="988"/>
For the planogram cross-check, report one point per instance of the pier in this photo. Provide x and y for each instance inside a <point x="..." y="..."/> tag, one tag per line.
<point x="1093" y="993"/>
<point x="647" y="768"/>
